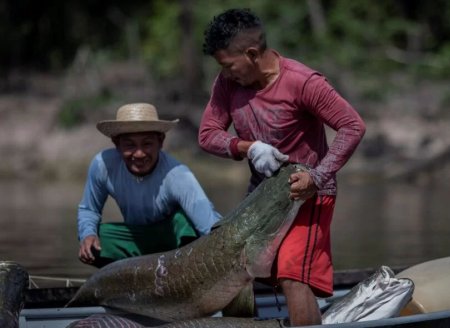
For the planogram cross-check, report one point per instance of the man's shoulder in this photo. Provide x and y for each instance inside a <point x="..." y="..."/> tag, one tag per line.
<point x="298" y="68"/>
<point x="172" y="170"/>
<point x="108" y="155"/>
<point x="170" y="164"/>
<point x="107" y="160"/>
<point x="168" y="159"/>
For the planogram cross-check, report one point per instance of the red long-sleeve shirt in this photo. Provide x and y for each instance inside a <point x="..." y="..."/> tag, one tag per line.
<point x="288" y="114"/>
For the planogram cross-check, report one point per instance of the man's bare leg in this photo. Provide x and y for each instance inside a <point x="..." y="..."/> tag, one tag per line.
<point x="302" y="305"/>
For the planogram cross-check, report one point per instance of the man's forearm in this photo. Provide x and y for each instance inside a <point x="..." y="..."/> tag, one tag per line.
<point x="243" y="146"/>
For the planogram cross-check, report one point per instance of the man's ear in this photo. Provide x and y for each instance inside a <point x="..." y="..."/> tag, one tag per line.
<point x="115" y="141"/>
<point x="161" y="137"/>
<point x="252" y="53"/>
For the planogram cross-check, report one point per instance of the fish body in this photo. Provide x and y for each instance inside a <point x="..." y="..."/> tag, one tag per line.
<point x="204" y="276"/>
<point x="227" y="322"/>
<point x="104" y="321"/>
<point x="13" y="283"/>
<point x="114" y="321"/>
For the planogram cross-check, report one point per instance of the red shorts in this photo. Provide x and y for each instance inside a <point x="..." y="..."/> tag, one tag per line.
<point x="305" y="253"/>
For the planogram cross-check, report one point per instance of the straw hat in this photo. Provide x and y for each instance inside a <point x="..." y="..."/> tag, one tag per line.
<point x="130" y="118"/>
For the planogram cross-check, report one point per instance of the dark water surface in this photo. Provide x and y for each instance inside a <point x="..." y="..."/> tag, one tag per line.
<point x="388" y="224"/>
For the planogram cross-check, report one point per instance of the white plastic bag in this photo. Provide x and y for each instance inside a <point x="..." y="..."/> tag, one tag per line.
<point x="380" y="296"/>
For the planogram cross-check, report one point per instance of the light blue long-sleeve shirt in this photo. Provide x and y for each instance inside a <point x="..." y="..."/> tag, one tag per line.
<point x="143" y="200"/>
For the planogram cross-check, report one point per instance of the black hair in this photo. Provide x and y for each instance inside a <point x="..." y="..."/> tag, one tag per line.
<point x="224" y="27"/>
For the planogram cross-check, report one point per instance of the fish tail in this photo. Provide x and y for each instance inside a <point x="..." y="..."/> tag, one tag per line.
<point x="83" y="297"/>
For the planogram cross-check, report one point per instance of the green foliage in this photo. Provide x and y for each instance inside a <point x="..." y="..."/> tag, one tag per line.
<point x="439" y="64"/>
<point x="76" y="111"/>
<point x="362" y="36"/>
<point x="445" y="106"/>
<point x="160" y="46"/>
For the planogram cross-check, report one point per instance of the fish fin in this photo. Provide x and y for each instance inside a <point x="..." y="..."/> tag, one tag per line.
<point x="243" y="305"/>
<point x="83" y="297"/>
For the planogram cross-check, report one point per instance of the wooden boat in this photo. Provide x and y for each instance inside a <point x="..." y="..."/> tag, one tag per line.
<point x="44" y="306"/>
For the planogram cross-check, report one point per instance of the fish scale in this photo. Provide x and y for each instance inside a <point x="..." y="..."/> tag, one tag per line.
<point x="104" y="321"/>
<point x="114" y="321"/>
<point x="204" y="276"/>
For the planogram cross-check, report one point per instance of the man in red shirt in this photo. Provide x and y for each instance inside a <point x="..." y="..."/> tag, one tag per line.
<point x="279" y="107"/>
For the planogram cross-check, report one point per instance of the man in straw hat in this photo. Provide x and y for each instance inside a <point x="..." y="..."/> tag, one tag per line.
<point x="162" y="203"/>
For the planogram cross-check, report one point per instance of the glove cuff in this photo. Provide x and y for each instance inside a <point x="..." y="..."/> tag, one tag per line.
<point x="251" y="149"/>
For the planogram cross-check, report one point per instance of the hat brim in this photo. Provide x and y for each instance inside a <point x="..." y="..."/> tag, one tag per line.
<point x="115" y="128"/>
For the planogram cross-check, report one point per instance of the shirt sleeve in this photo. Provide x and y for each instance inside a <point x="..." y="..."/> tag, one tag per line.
<point x="332" y="109"/>
<point x="216" y="119"/>
<point x="93" y="200"/>
<point x="186" y="190"/>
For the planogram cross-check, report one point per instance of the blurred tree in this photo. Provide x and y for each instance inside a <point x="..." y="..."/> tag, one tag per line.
<point x="363" y="36"/>
<point x="46" y="34"/>
<point x="190" y="61"/>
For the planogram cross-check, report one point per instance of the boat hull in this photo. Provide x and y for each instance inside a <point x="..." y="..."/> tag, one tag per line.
<point x="267" y="306"/>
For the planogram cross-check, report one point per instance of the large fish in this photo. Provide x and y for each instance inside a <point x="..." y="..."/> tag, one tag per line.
<point x="204" y="276"/>
<point x="13" y="283"/>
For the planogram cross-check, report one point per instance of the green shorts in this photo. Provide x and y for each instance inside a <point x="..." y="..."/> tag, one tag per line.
<point x="120" y="240"/>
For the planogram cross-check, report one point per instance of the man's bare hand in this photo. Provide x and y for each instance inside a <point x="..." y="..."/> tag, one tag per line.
<point x="302" y="186"/>
<point x="86" y="245"/>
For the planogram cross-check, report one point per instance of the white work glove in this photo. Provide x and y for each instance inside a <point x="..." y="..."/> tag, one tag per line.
<point x="266" y="158"/>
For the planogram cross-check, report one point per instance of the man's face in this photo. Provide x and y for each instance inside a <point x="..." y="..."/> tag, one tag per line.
<point x="140" y="151"/>
<point x="237" y="66"/>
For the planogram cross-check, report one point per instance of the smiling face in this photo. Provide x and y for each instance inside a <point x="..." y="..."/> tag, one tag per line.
<point x="140" y="150"/>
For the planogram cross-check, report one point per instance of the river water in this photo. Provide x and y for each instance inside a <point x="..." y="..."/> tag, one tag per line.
<point x="374" y="224"/>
